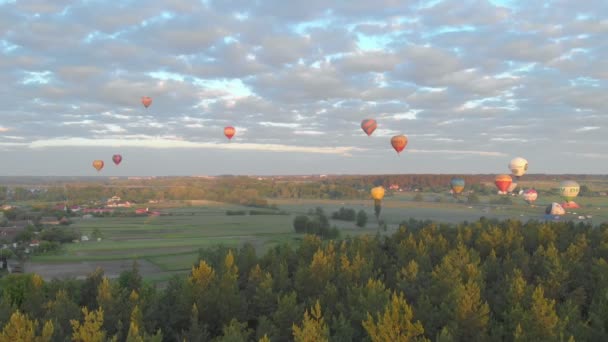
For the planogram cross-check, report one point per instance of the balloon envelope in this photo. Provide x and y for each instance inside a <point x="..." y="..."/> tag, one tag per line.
<point x="98" y="165"/>
<point x="512" y="187"/>
<point x="399" y="142"/>
<point x="530" y="195"/>
<point x="555" y="209"/>
<point x="503" y="182"/>
<point x="457" y="185"/>
<point x="518" y="166"/>
<point x="229" y="132"/>
<point x="377" y="193"/>
<point x="117" y="158"/>
<point x="146" y="101"/>
<point x="369" y="126"/>
<point x="569" y="190"/>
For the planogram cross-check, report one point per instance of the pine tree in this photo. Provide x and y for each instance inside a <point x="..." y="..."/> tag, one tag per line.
<point x="135" y="326"/>
<point x="18" y="328"/>
<point x="90" y="330"/>
<point x="313" y="329"/>
<point x="395" y="324"/>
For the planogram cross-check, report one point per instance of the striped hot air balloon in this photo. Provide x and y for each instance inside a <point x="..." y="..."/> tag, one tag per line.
<point x="369" y="126"/>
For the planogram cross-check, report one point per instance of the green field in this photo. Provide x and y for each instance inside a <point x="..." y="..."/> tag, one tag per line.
<point x="170" y="244"/>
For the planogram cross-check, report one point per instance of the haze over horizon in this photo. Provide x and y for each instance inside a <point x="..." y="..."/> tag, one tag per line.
<point x="472" y="84"/>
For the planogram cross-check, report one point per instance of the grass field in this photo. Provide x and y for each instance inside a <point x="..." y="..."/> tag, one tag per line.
<point x="170" y="244"/>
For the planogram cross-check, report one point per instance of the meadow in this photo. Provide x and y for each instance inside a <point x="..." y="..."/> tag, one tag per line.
<point x="166" y="245"/>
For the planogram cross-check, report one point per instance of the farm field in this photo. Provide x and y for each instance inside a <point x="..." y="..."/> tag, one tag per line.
<point x="167" y="245"/>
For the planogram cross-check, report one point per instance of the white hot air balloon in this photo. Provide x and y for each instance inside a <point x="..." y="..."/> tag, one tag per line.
<point x="518" y="166"/>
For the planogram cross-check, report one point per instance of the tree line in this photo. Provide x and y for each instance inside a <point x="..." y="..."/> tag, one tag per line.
<point x="255" y="192"/>
<point x="486" y="280"/>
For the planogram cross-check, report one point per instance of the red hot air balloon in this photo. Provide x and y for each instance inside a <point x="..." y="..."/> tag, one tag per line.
<point x="98" y="165"/>
<point x="399" y="142"/>
<point x="229" y="132"/>
<point x="503" y="182"/>
<point x="146" y="101"/>
<point x="369" y="126"/>
<point x="117" y="158"/>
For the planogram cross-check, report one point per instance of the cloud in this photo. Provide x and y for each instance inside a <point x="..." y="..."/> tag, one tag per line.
<point x="484" y="76"/>
<point x="172" y="142"/>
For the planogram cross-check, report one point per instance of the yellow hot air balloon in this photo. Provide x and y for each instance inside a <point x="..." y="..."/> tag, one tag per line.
<point x="377" y="195"/>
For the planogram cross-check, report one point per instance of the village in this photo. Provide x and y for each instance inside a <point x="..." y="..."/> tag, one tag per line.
<point x="25" y="230"/>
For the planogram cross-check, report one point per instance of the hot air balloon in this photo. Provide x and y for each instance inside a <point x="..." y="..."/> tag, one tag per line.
<point x="518" y="167"/>
<point x="98" y="165"/>
<point x="530" y="196"/>
<point x="369" y="126"/>
<point x="555" y="209"/>
<point x="377" y="195"/>
<point x="457" y="185"/>
<point x="512" y="187"/>
<point x="503" y="182"/>
<point x="117" y="158"/>
<point x="569" y="190"/>
<point x="399" y="142"/>
<point x="146" y="101"/>
<point x="229" y="132"/>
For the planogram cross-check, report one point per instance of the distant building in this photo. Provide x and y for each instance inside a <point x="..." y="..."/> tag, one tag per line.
<point x="394" y="187"/>
<point x="97" y="210"/>
<point x="49" y="221"/>
<point x="9" y="233"/>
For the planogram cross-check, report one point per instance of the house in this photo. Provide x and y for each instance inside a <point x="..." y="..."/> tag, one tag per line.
<point x="49" y="220"/>
<point x="34" y="243"/>
<point x="75" y="208"/>
<point x="60" y="207"/>
<point x="20" y="224"/>
<point x="97" y="210"/>
<point x="114" y="199"/>
<point x="9" y="233"/>
<point x="394" y="187"/>
<point x="141" y="211"/>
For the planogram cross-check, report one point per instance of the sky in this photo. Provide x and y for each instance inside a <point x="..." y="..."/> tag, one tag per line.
<point x="471" y="83"/>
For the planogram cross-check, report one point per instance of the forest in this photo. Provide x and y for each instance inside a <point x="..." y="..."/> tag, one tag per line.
<point x="486" y="280"/>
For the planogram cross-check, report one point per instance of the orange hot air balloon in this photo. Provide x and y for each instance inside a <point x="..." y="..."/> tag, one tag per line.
<point x="503" y="182"/>
<point x="98" y="165"/>
<point x="369" y="126"/>
<point x="399" y="142"/>
<point x="146" y="101"/>
<point x="229" y="132"/>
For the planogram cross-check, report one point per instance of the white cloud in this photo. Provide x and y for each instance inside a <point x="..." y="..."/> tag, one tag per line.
<point x="173" y="142"/>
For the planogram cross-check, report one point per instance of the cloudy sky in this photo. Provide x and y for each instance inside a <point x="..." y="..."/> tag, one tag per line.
<point x="472" y="83"/>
